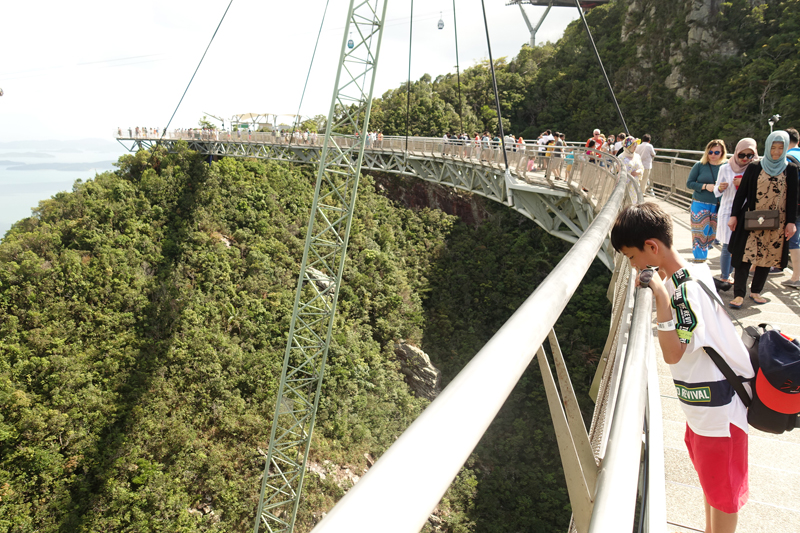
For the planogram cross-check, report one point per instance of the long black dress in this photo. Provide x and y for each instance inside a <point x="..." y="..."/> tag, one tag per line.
<point x="745" y="200"/>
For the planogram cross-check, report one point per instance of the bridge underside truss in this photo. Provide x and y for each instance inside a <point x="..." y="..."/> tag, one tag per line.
<point x="564" y="211"/>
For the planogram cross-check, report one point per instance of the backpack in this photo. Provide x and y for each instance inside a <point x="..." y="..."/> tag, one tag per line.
<point x="775" y="357"/>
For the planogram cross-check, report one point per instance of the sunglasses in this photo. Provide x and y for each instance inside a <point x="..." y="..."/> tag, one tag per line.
<point x="714" y="152"/>
<point x="745" y="156"/>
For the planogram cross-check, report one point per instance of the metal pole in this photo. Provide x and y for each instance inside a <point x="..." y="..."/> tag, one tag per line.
<point x="602" y="69"/>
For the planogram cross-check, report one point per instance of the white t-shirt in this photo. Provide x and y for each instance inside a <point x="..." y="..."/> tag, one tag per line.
<point x="647" y="153"/>
<point x="725" y="175"/>
<point x="708" y="400"/>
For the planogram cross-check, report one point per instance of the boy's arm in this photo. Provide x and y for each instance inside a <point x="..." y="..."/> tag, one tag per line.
<point x="671" y="346"/>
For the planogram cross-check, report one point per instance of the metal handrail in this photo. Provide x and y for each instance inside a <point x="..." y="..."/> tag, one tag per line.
<point x="463" y="411"/>
<point x="615" y="500"/>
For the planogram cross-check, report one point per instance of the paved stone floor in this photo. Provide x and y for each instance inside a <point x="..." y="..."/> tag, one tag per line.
<point x="774" y="504"/>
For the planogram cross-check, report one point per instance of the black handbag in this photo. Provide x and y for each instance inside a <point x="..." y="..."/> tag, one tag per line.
<point x="762" y="220"/>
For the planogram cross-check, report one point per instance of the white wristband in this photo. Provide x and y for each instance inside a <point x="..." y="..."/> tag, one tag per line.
<point x="666" y="326"/>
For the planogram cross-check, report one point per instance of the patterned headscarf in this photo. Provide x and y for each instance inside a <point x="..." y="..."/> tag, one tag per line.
<point x="629" y="144"/>
<point x="745" y="144"/>
<point x="775" y="166"/>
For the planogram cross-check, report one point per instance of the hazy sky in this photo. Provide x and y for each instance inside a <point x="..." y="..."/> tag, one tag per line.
<point x="80" y="69"/>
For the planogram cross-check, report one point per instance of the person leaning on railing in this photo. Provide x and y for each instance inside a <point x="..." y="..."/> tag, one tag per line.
<point x="704" y="204"/>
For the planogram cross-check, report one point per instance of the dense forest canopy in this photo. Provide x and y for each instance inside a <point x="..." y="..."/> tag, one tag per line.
<point x="684" y="71"/>
<point x="143" y="320"/>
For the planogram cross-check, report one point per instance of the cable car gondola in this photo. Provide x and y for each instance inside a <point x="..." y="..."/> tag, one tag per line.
<point x="350" y="43"/>
<point x="441" y="22"/>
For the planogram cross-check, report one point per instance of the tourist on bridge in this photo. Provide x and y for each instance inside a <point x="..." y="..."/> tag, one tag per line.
<point x="794" y="243"/>
<point x="630" y="159"/>
<point x="689" y="321"/>
<point x="647" y="153"/>
<point x="728" y="180"/>
<point x="701" y="180"/>
<point x="769" y="185"/>
<point x="597" y="138"/>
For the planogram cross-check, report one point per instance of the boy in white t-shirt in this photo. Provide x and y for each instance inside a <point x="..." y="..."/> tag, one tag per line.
<point x="688" y="320"/>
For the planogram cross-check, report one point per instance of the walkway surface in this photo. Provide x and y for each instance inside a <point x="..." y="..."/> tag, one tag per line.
<point x="774" y="504"/>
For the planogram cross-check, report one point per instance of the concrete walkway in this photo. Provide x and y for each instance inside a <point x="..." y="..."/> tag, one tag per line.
<point x="774" y="504"/>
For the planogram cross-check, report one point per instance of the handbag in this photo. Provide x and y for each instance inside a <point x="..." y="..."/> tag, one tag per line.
<point x="761" y="220"/>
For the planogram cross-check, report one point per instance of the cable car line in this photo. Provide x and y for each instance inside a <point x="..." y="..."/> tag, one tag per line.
<point x="408" y="86"/>
<point x="602" y="68"/>
<point x="308" y="75"/>
<point x="164" y="131"/>
<point x="494" y="84"/>
<point x="458" y="71"/>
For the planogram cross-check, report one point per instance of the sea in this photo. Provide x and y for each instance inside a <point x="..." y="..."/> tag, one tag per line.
<point x="32" y="171"/>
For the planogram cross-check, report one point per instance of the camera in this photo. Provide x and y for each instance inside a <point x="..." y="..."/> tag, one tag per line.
<point x="646" y="275"/>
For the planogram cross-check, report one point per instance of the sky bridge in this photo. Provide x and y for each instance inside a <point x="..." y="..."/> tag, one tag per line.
<point x="564" y="191"/>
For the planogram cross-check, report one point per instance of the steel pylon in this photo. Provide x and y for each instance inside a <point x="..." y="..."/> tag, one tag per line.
<point x="321" y="268"/>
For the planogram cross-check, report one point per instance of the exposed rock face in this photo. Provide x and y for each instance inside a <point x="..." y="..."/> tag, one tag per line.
<point x="416" y="194"/>
<point x="423" y="378"/>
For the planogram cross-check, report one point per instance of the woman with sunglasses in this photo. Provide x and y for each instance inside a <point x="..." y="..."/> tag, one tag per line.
<point x="704" y="204"/>
<point x="768" y="185"/>
<point x="728" y="180"/>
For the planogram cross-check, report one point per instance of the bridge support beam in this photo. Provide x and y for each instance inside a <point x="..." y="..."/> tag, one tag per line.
<point x="577" y="458"/>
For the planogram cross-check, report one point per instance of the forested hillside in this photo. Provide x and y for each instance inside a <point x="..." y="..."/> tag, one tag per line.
<point x="683" y="71"/>
<point x="143" y="320"/>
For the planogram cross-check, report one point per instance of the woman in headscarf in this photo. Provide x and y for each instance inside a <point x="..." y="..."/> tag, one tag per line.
<point x="701" y="180"/>
<point x="728" y="180"/>
<point x="630" y="159"/>
<point x="768" y="185"/>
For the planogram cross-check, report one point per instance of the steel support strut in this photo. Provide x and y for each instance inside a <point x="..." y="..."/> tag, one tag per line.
<point x="321" y="268"/>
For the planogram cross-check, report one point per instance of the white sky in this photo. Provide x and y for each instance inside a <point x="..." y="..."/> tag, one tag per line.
<point x="80" y="69"/>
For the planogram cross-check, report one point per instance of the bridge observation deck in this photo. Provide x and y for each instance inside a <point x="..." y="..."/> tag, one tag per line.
<point x="563" y="195"/>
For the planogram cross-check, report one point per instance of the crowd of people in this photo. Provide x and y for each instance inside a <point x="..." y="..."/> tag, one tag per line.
<point x="748" y="205"/>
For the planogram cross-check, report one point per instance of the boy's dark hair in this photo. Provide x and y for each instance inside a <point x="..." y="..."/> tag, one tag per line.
<point x="646" y="138"/>
<point x="794" y="137"/>
<point x="638" y="223"/>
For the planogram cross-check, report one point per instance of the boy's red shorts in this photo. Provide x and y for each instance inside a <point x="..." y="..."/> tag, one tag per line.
<point x="721" y="464"/>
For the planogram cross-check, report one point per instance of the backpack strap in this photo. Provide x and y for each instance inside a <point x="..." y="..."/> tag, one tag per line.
<point x="723" y="366"/>
<point x="716" y="299"/>
<point x="729" y="374"/>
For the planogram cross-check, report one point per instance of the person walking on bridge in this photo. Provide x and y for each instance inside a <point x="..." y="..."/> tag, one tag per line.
<point x="701" y="180"/>
<point x="768" y="185"/>
<point x="728" y="180"/>
<point x="793" y="155"/>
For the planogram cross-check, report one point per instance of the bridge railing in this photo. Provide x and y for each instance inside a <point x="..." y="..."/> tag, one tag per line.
<point x="401" y="498"/>
<point x="462" y="412"/>
<point x="586" y="172"/>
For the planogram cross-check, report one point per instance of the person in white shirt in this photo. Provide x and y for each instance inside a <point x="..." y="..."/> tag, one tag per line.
<point x="728" y="180"/>
<point x="688" y="322"/>
<point x="647" y="153"/>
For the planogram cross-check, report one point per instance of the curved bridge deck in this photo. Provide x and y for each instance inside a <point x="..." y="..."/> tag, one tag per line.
<point x="562" y="192"/>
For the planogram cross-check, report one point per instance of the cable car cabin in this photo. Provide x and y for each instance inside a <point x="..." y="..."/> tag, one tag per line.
<point x="441" y="22"/>
<point x="350" y="43"/>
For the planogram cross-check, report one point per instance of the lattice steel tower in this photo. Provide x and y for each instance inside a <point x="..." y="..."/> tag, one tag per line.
<point x="321" y="268"/>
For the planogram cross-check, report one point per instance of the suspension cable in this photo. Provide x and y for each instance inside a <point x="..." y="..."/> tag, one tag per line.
<point x="408" y="86"/>
<point x="458" y="71"/>
<point x="600" y="61"/>
<point x="294" y="124"/>
<point x="494" y="84"/>
<point x="164" y="132"/>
